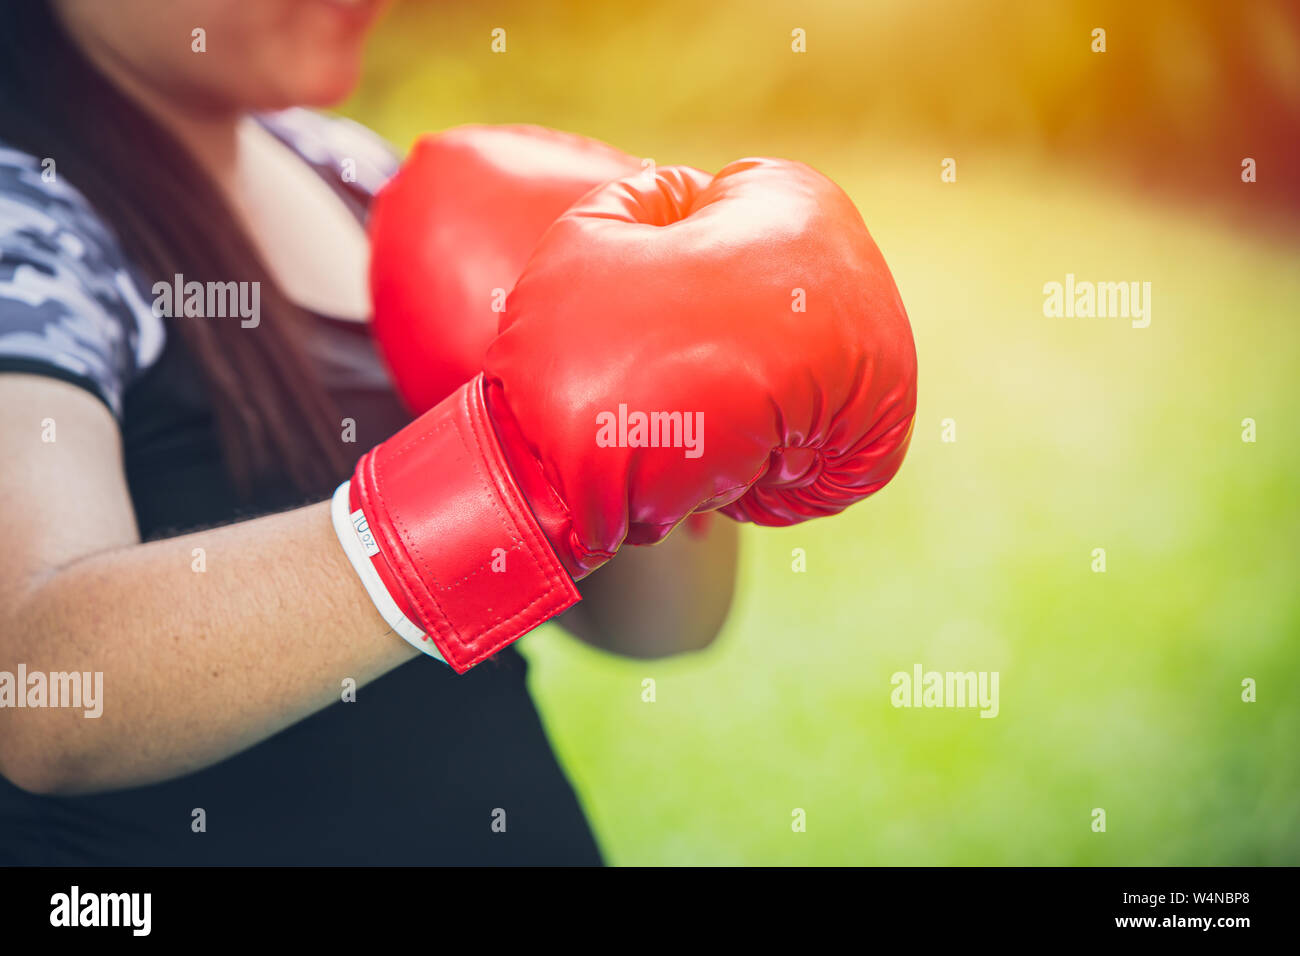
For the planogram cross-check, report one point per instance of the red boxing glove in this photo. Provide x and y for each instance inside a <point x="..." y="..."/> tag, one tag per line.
<point x="680" y="342"/>
<point x="443" y="539"/>
<point x="666" y="293"/>
<point x="450" y="233"/>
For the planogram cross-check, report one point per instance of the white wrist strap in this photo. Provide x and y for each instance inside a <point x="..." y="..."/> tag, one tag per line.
<point x="359" y="545"/>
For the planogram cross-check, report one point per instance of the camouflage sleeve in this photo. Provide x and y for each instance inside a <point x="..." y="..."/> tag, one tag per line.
<point x="68" y="305"/>
<point x="342" y="150"/>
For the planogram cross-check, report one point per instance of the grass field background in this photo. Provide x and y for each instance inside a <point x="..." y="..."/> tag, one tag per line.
<point x="1119" y="690"/>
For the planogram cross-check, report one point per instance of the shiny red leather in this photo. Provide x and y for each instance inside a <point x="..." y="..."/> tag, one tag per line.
<point x="460" y="550"/>
<point x="450" y="234"/>
<point x="675" y="290"/>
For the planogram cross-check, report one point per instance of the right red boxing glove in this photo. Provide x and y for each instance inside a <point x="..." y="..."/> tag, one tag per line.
<point x="668" y="294"/>
<point x="683" y="342"/>
<point x="444" y="540"/>
<point x="450" y="233"/>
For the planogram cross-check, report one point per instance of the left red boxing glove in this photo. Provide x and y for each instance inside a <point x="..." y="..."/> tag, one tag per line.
<point x="433" y="520"/>
<point x="451" y="232"/>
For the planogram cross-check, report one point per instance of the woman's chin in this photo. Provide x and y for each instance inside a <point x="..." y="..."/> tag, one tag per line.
<point x="327" y="94"/>
<point x="326" y="88"/>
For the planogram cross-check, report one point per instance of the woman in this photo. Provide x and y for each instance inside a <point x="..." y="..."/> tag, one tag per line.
<point x="141" y="140"/>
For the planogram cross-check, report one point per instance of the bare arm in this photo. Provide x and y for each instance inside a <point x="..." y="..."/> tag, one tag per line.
<point x="197" y="665"/>
<point x="665" y="599"/>
<point x="200" y="664"/>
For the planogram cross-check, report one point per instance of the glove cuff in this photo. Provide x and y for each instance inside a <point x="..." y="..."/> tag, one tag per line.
<point x="451" y="538"/>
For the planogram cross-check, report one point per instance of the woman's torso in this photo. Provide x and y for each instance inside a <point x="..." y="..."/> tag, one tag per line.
<point x="422" y="764"/>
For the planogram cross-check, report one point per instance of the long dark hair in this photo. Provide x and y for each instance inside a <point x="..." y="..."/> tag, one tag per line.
<point x="273" y="417"/>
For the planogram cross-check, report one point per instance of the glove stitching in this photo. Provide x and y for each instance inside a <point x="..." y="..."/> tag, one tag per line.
<point x="554" y="592"/>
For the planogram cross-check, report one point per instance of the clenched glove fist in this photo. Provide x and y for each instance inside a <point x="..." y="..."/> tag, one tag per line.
<point x="746" y="317"/>
<point x="675" y="342"/>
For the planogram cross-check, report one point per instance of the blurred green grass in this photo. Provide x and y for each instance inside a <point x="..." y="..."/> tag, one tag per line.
<point x="1118" y="690"/>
